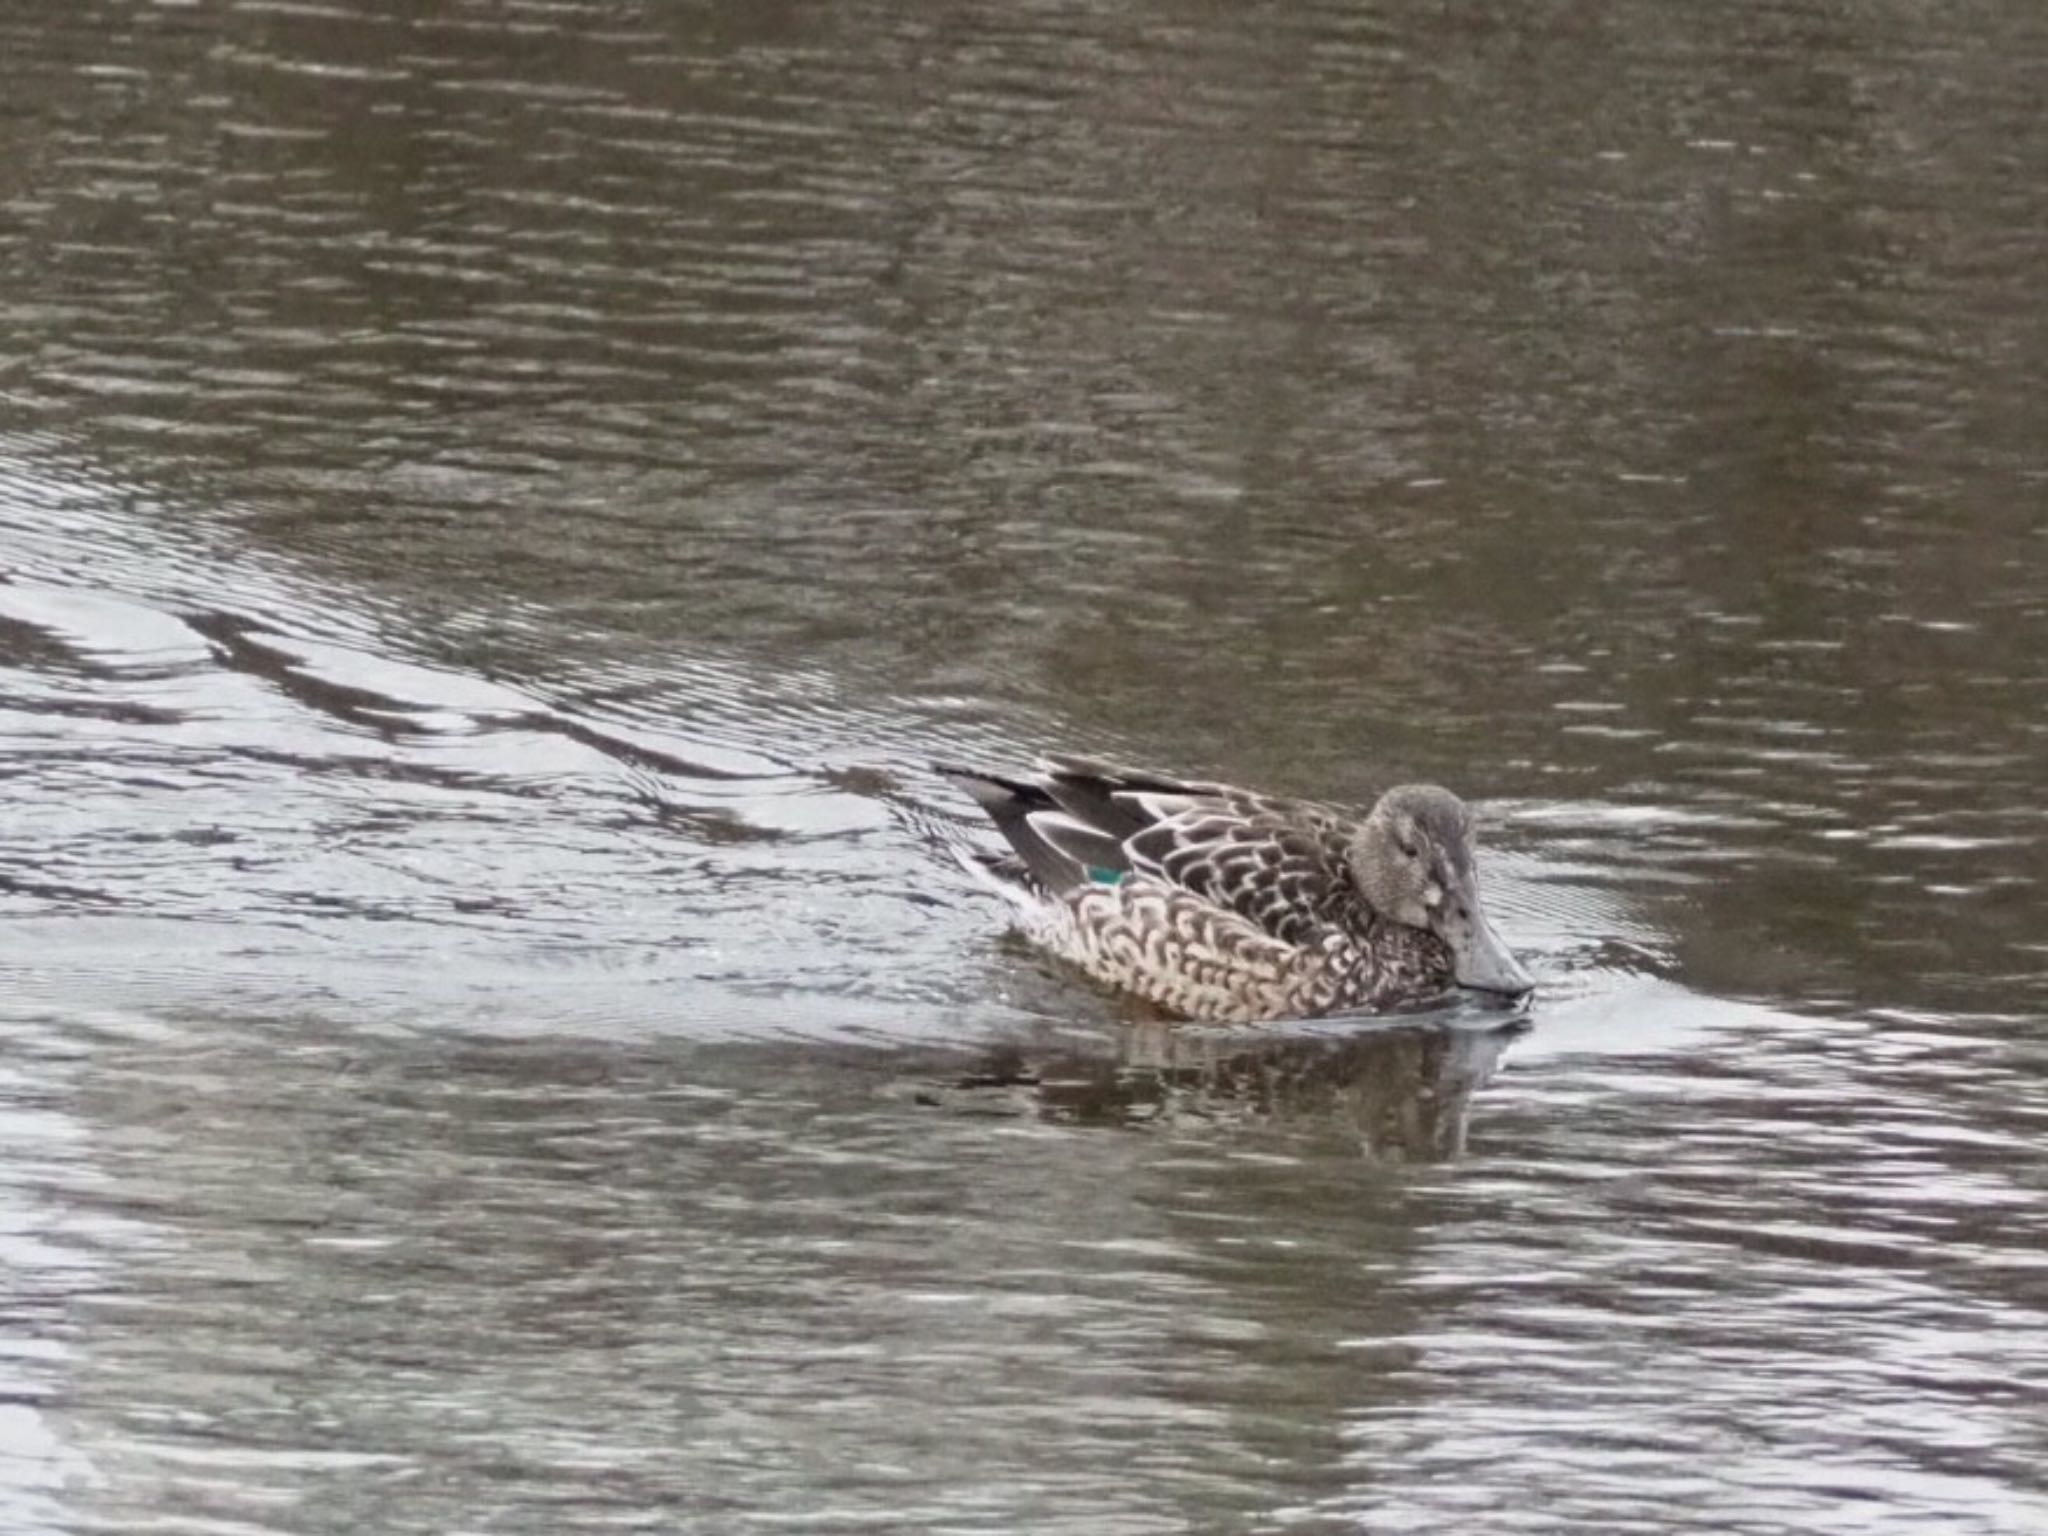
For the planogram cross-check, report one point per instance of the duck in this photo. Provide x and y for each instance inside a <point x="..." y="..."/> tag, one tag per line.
<point x="1228" y="905"/>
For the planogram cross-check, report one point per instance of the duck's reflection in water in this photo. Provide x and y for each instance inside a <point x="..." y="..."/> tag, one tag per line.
<point x="1404" y="1086"/>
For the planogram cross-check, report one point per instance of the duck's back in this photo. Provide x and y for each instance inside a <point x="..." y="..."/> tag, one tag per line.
<point x="1278" y="863"/>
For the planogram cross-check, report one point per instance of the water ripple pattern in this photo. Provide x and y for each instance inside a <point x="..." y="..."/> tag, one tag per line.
<point x="499" y="505"/>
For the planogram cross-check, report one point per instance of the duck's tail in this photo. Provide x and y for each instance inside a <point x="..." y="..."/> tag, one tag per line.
<point x="1005" y="874"/>
<point x="1009" y="803"/>
<point x="1052" y="850"/>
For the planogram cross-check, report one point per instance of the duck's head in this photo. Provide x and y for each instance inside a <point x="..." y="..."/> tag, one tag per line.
<point x="1412" y="858"/>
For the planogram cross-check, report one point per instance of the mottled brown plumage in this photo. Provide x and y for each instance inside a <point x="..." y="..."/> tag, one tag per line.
<point x="1219" y="903"/>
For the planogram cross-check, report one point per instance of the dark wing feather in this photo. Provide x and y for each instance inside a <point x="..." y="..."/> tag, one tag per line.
<point x="1097" y="852"/>
<point x="1112" y="798"/>
<point x="1124" y="801"/>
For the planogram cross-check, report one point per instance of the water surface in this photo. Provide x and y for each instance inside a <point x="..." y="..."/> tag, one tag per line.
<point x="500" y="503"/>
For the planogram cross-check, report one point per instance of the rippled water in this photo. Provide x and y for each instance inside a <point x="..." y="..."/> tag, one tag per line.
<point x="498" y="504"/>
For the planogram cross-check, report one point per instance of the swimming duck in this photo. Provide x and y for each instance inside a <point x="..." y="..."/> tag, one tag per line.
<point x="1223" y="904"/>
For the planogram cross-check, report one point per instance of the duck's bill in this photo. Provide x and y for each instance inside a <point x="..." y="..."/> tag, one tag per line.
<point x="1480" y="959"/>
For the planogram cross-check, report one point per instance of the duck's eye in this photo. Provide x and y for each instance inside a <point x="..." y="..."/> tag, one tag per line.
<point x="1409" y="850"/>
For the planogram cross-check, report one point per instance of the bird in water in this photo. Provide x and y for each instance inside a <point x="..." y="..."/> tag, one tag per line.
<point x="1222" y="904"/>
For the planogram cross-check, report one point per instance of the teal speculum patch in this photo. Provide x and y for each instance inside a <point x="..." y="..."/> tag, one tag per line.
<point x="1105" y="876"/>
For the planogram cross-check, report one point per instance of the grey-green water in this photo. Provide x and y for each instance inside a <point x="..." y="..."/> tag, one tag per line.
<point x="498" y="503"/>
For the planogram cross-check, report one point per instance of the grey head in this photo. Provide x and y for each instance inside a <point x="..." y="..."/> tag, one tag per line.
<point x="1412" y="858"/>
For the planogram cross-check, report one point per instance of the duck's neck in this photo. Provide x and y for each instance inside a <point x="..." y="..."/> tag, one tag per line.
<point x="1406" y="962"/>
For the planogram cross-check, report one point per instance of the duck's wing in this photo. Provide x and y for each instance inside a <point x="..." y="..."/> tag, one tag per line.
<point x="1278" y="863"/>
<point x="1290" y="880"/>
